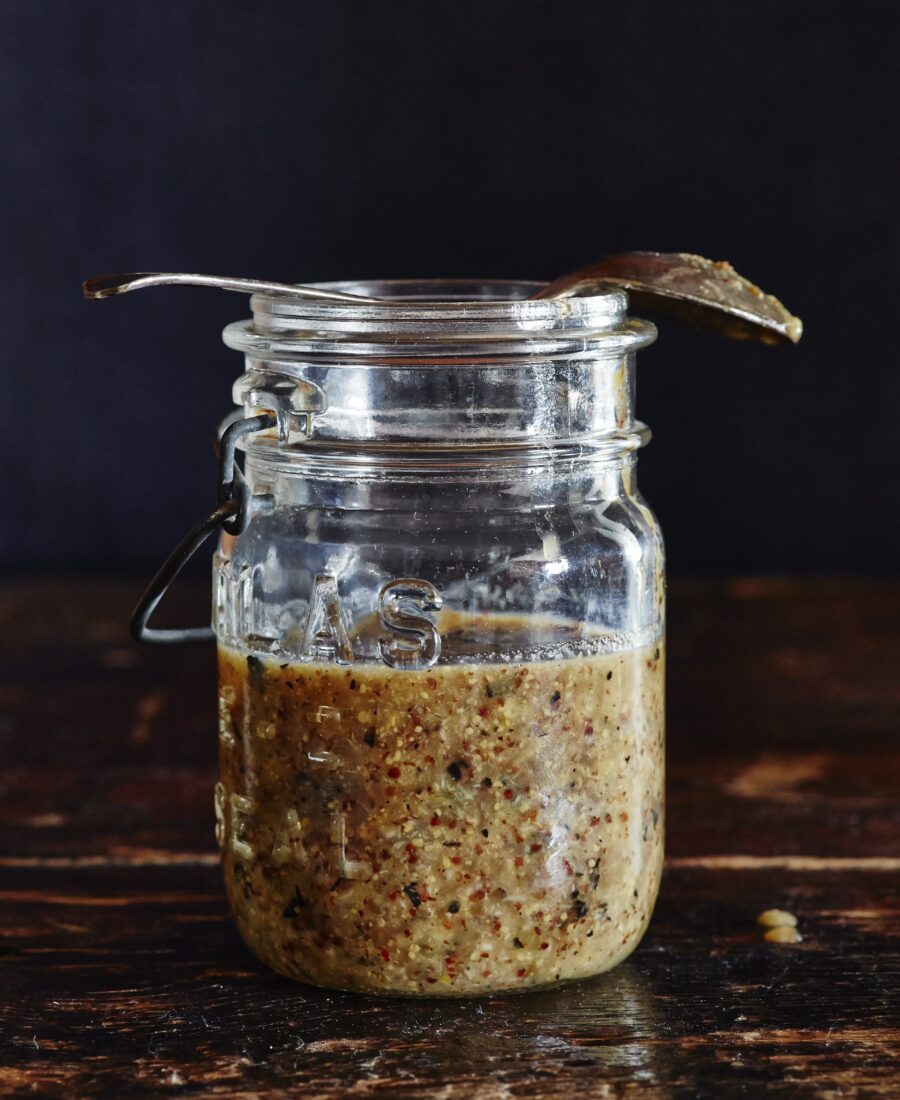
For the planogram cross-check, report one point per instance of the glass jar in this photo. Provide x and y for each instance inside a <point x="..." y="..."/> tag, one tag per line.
<point x="440" y="631"/>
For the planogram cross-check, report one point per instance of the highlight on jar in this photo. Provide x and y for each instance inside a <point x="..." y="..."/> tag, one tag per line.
<point x="440" y="619"/>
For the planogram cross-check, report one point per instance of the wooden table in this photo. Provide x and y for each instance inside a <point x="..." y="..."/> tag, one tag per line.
<point x="122" y="974"/>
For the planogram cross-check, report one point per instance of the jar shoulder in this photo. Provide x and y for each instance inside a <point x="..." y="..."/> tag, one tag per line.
<point x="595" y="563"/>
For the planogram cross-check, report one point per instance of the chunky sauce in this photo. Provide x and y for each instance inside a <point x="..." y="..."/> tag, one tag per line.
<point x="474" y="827"/>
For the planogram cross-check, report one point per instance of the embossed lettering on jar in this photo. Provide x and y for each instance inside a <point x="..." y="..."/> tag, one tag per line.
<point x="441" y="643"/>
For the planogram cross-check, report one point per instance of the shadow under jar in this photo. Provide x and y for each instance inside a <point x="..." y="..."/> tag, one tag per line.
<point x="441" y="642"/>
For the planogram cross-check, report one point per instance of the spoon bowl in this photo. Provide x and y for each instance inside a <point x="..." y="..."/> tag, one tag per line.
<point x="707" y="293"/>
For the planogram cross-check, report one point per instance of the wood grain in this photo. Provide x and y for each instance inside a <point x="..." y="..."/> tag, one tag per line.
<point x="122" y="974"/>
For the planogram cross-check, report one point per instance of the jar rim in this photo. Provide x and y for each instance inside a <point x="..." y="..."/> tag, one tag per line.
<point x="447" y="300"/>
<point x="432" y="319"/>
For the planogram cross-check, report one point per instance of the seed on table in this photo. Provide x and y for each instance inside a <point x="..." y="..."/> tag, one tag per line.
<point x="776" y="918"/>
<point x="784" y="933"/>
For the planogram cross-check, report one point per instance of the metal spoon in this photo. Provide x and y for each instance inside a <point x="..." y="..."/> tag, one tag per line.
<point x="703" y="292"/>
<point x="107" y="286"/>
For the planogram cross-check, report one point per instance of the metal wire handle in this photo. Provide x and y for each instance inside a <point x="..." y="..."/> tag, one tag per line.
<point x="232" y="514"/>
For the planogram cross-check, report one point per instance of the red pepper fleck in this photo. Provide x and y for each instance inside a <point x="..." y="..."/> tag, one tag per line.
<point x="431" y="683"/>
<point x="483" y="712"/>
<point x="435" y="820"/>
<point x="508" y="794"/>
<point x="485" y="954"/>
<point x="544" y="946"/>
<point x="588" y="731"/>
<point x="385" y="954"/>
<point x="411" y="855"/>
<point x="518" y="861"/>
<point x="535" y="847"/>
<point x="478" y="895"/>
<point x="394" y="772"/>
<point x="456" y="859"/>
<point x="595" y="821"/>
<point x="568" y="867"/>
<point x="520" y="973"/>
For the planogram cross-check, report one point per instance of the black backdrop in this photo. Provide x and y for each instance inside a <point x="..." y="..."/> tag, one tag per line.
<point x="501" y="137"/>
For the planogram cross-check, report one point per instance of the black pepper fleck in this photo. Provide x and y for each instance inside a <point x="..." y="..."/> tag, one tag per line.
<point x="454" y="770"/>
<point x="353" y="685"/>
<point x="294" y="905"/>
<point x="609" y="675"/>
<point x="453" y="907"/>
<point x="580" y="909"/>
<point x="487" y="781"/>
<point x="256" y="670"/>
<point x="413" y="894"/>
<point x="369" y="738"/>
<point x="517" y="942"/>
<point x="555" y="698"/>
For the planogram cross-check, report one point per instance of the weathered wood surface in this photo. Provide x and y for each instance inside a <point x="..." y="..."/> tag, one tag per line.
<point x="122" y="975"/>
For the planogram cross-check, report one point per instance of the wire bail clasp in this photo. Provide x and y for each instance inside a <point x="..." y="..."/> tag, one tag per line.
<point x="232" y="513"/>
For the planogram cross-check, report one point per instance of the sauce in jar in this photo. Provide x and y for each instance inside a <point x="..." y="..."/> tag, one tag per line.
<point x="473" y="827"/>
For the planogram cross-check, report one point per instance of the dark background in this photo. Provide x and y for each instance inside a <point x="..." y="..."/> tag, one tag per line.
<point x="340" y="140"/>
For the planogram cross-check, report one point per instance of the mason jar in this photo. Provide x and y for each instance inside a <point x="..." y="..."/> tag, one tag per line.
<point x="439" y="614"/>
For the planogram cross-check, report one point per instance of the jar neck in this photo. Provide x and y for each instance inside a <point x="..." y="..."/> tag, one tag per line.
<point x="441" y="366"/>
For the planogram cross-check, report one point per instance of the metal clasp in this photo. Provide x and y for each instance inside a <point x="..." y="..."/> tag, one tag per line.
<point x="295" y="401"/>
<point x="232" y="514"/>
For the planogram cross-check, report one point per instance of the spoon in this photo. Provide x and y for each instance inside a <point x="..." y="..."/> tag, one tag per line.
<point x="707" y="293"/>
<point x="703" y="292"/>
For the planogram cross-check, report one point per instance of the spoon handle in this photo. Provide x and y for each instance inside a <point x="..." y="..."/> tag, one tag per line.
<point x="107" y="286"/>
